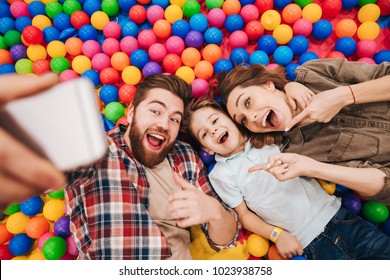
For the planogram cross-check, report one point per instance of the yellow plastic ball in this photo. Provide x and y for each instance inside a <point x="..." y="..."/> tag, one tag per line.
<point x="173" y="13"/>
<point x="37" y="255"/>
<point x="54" y="209"/>
<point x="283" y="34"/>
<point x="99" y="19"/>
<point x="186" y="73"/>
<point x="257" y="246"/>
<point x="16" y="223"/>
<point x="368" y="30"/>
<point x="81" y="63"/>
<point x="19" y="258"/>
<point x="180" y="3"/>
<point x="131" y="75"/>
<point x="28" y="1"/>
<point x="329" y="187"/>
<point x="41" y="21"/>
<point x="369" y="12"/>
<point x="270" y="19"/>
<point x="48" y="1"/>
<point x="35" y="52"/>
<point x="56" y="48"/>
<point x="312" y="12"/>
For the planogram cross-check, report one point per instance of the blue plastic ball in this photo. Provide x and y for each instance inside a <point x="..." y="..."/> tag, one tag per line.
<point x="283" y="55"/>
<point x="239" y="56"/>
<point x="299" y="258"/>
<point x="341" y="190"/>
<point x="5" y="10"/>
<point x="290" y="71"/>
<point x="91" y="6"/>
<point x="50" y="33"/>
<point x="92" y="75"/>
<point x="62" y="21"/>
<point x="32" y="206"/>
<point x="280" y="4"/>
<point x="108" y="93"/>
<point x="385" y="227"/>
<point x="151" y="68"/>
<point x="107" y="124"/>
<point x="67" y="33"/>
<point x="267" y="43"/>
<point x="351" y="202"/>
<point x="198" y="22"/>
<point x="125" y="5"/>
<point x="180" y="28"/>
<point x="6" y="24"/>
<point x="298" y="44"/>
<point x="20" y="244"/>
<point x="7" y="68"/>
<point x="139" y="58"/>
<point x="223" y="65"/>
<point x="194" y="39"/>
<point x="213" y="35"/>
<point x="36" y="8"/>
<point x="206" y="157"/>
<point x="129" y="28"/>
<point x="322" y="29"/>
<point x="22" y="22"/>
<point x="88" y="32"/>
<point x="345" y="45"/>
<point x="210" y="167"/>
<point x="307" y="56"/>
<point x="381" y="56"/>
<point x="259" y="57"/>
<point x="349" y="4"/>
<point x="246" y="2"/>
<point x="162" y="3"/>
<point x="234" y="22"/>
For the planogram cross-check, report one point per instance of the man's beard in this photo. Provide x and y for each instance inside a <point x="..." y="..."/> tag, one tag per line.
<point x="145" y="156"/>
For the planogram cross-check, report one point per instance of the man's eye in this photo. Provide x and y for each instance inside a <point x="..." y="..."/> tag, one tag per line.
<point x="247" y="103"/>
<point x="175" y="120"/>
<point x="154" y="112"/>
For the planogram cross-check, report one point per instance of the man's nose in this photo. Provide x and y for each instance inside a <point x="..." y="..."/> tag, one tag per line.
<point x="163" y="123"/>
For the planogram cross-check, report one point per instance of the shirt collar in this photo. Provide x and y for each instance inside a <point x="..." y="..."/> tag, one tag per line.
<point x="247" y="152"/>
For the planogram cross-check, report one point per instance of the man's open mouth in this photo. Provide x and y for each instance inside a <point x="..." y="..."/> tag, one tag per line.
<point x="155" y="141"/>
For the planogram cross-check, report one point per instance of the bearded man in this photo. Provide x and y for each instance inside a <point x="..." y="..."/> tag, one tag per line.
<point x="140" y="199"/>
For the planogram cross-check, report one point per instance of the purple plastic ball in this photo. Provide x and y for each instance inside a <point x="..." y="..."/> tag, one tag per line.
<point x="151" y="68"/>
<point x="194" y="39"/>
<point x="61" y="227"/>
<point x="18" y="51"/>
<point x="206" y="157"/>
<point x="352" y="202"/>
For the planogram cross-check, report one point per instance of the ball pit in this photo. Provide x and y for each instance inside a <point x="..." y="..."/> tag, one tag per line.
<point x="118" y="43"/>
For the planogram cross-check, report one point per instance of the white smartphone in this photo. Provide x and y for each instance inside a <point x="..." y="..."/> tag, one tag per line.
<point x="62" y="124"/>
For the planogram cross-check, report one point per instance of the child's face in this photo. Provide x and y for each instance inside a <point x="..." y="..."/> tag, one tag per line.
<point x="216" y="132"/>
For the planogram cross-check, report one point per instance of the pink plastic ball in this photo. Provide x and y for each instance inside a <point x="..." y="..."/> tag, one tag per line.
<point x="157" y="52"/>
<point x="66" y="257"/>
<point x="238" y="39"/>
<point x="154" y="13"/>
<point x="302" y="27"/>
<point x="68" y="75"/>
<point x="175" y="44"/>
<point x="335" y="54"/>
<point x="110" y="46"/>
<point x="19" y="8"/>
<point x="44" y="238"/>
<point x="146" y="38"/>
<point x="249" y="12"/>
<point x="112" y="30"/>
<point x="216" y="17"/>
<point x="367" y="60"/>
<point x="366" y="48"/>
<point x="272" y="66"/>
<point x="100" y="61"/>
<point x="199" y="88"/>
<point x="128" y="44"/>
<point x="71" y="246"/>
<point x="90" y="48"/>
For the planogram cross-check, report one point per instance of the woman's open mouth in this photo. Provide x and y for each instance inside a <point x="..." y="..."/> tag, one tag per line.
<point x="270" y="120"/>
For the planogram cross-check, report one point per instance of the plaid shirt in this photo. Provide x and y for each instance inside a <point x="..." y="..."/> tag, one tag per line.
<point x="108" y="203"/>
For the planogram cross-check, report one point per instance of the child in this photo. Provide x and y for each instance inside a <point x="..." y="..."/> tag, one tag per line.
<point x="299" y="206"/>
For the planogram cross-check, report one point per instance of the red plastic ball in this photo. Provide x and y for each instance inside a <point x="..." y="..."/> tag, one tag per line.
<point x="79" y="19"/>
<point x="137" y="13"/>
<point x="126" y="93"/>
<point x="41" y="66"/>
<point x="335" y="54"/>
<point x="264" y="5"/>
<point x="32" y="35"/>
<point x="331" y="8"/>
<point x="171" y="63"/>
<point x="109" y="76"/>
<point x="5" y="254"/>
<point x="254" y="29"/>
<point x="384" y="5"/>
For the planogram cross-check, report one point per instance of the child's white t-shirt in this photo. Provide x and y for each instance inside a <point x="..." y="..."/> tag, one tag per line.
<point x="299" y="206"/>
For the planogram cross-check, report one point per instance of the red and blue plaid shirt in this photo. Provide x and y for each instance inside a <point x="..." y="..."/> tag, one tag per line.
<point x="108" y="203"/>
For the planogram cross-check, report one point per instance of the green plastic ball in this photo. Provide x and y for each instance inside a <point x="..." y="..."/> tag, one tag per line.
<point x="114" y="111"/>
<point x="54" y="248"/>
<point x="24" y="66"/>
<point x="12" y="38"/>
<point x="375" y="212"/>
<point x="52" y="9"/>
<point x="59" y="64"/>
<point x="211" y="4"/>
<point x="110" y="7"/>
<point x="190" y="8"/>
<point x="303" y="3"/>
<point x="3" y="45"/>
<point x="12" y="209"/>
<point x="71" y="6"/>
<point x="56" y="194"/>
<point x="361" y="3"/>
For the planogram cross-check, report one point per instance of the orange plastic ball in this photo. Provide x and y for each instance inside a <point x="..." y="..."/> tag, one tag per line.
<point x="5" y="235"/>
<point x="212" y="53"/>
<point x="345" y="28"/>
<point x="231" y="7"/>
<point x="120" y="61"/>
<point x="273" y="253"/>
<point x="5" y="57"/>
<point x="74" y="46"/>
<point x="36" y="52"/>
<point x="190" y="56"/>
<point x="37" y="226"/>
<point x="162" y="28"/>
<point x="291" y="13"/>
<point x="204" y="70"/>
<point x="335" y="54"/>
<point x="257" y="246"/>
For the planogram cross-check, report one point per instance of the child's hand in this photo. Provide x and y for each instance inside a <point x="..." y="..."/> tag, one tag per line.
<point x="298" y="94"/>
<point x="288" y="246"/>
